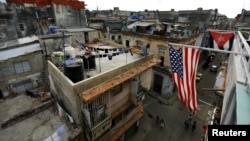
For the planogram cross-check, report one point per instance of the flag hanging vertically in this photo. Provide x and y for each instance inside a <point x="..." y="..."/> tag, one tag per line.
<point x="221" y="39"/>
<point x="184" y="62"/>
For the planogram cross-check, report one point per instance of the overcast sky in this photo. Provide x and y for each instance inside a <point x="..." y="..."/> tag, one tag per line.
<point x="228" y="7"/>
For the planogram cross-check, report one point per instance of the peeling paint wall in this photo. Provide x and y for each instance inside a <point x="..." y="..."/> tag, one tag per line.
<point x="66" y="16"/>
<point x="19" y="20"/>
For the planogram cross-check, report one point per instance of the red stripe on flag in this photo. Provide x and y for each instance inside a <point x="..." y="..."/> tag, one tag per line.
<point x="179" y="83"/>
<point x="186" y="84"/>
<point x="221" y="37"/>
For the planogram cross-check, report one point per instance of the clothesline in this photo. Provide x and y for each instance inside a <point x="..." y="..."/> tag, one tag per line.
<point x="211" y="49"/>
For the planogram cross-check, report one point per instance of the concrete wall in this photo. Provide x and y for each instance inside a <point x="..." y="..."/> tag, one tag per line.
<point x="116" y="101"/>
<point x="146" y="78"/>
<point x="66" y="16"/>
<point x="8" y="76"/>
<point x="229" y="99"/>
<point x="154" y="46"/>
<point x="62" y="90"/>
<point x="167" y="84"/>
<point x="120" y="99"/>
<point x="101" y="78"/>
<point x="93" y="35"/>
<point x="8" y="26"/>
<point x="67" y="92"/>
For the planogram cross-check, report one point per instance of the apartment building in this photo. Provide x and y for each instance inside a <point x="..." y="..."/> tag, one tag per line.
<point x="22" y="66"/>
<point x="108" y="102"/>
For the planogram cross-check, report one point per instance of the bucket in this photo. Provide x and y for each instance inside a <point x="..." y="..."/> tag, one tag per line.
<point x="52" y="29"/>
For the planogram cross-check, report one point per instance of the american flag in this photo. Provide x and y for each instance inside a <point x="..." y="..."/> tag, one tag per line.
<point x="184" y="62"/>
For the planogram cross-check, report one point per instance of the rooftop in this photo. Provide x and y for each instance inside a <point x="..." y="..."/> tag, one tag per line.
<point x="25" y="110"/>
<point x="19" y="41"/>
<point x="96" y="58"/>
<point x="15" y="52"/>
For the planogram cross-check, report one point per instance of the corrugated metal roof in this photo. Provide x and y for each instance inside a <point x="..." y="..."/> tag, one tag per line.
<point x="76" y="29"/>
<point x="15" y="52"/>
<point x="29" y="39"/>
<point x="167" y="23"/>
<point x="19" y="41"/>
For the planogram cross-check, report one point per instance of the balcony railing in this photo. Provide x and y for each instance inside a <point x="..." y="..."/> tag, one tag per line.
<point x="102" y="127"/>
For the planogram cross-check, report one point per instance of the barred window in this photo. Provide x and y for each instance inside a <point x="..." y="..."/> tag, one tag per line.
<point x="97" y="109"/>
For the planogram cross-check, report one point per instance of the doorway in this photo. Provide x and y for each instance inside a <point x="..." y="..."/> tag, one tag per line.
<point x="158" y="79"/>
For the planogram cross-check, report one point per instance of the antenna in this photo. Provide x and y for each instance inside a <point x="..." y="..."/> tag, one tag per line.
<point x="243" y="4"/>
<point x="97" y="7"/>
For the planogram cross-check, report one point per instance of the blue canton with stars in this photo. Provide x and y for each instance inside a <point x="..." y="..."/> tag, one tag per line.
<point x="176" y="61"/>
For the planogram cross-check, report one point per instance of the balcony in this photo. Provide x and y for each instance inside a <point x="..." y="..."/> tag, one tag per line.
<point x="101" y="128"/>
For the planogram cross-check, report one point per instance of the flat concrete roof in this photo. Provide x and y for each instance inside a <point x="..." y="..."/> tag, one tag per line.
<point x="88" y="95"/>
<point x="40" y="126"/>
<point x="100" y="61"/>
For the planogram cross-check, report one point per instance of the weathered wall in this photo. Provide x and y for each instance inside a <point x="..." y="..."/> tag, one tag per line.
<point x="155" y="44"/>
<point x="167" y="84"/>
<point x="228" y="108"/>
<point x="119" y="99"/>
<point x="67" y="92"/>
<point x="66" y="16"/>
<point x="9" y="77"/>
<point x="101" y="78"/>
<point x="62" y="90"/>
<point x="146" y="78"/>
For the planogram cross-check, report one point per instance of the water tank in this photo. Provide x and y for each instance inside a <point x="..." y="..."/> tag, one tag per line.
<point x="89" y="62"/>
<point x="74" y="72"/>
<point x="70" y="51"/>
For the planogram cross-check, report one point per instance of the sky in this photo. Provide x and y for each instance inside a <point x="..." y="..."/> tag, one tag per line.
<point x="230" y="8"/>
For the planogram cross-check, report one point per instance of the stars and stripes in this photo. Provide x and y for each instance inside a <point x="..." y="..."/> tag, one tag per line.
<point x="184" y="62"/>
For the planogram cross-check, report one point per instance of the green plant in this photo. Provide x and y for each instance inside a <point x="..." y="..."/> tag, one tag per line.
<point x="245" y="34"/>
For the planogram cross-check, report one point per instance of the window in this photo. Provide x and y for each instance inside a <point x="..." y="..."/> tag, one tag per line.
<point x="119" y="37"/>
<point x="18" y="6"/>
<point x="97" y="109"/>
<point x="162" y="50"/>
<point x="21" y="27"/>
<point x="139" y="89"/>
<point x="116" y="90"/>
<point x="127" y="43"/>
<point x="23" y="85"/>
<point x="2" y="22"/>
<point x="21" y="67"/>
<point x="113" y="37"/>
